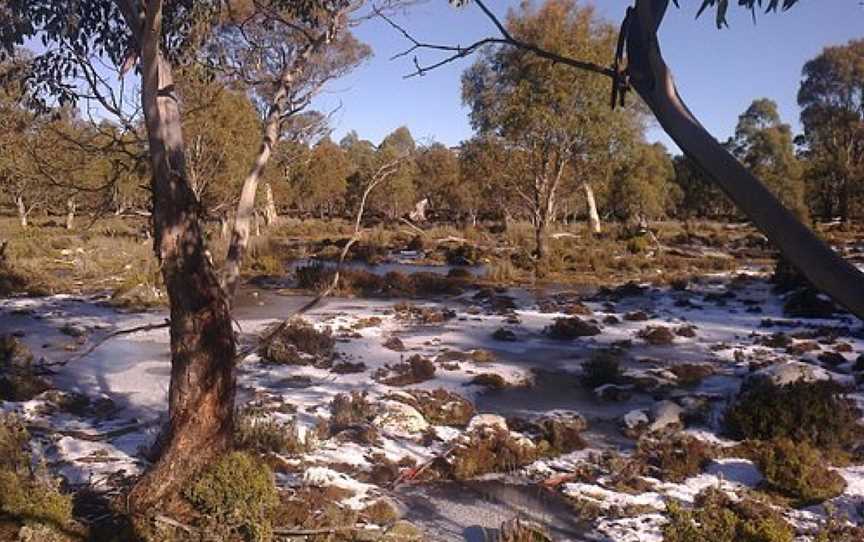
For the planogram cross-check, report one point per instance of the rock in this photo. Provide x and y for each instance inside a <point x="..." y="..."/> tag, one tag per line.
<point x="611" y="320"/>
<point x="481" y="421"/>
<point x="780" y="374"/>
<point x="636" y="419"/>
<point x="562" y="430"/>
<point x="400" y="419"/>
<point x="665" y="414"/>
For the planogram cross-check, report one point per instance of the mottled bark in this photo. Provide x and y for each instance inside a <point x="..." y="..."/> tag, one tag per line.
<point x="652" y="79"/>
<point x="201" y="393"/>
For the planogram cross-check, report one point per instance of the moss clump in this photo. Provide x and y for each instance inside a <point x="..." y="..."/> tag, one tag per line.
<point x="798" y="471"/>
<point x="716" y="518"/>
<point x="817" y="412"/>
<point x="299" y="343"/>
<point x="604" y="367"/>
<point x="238" y="494"/>
<point x="25" y="497"/>
<point x="567" y="329"/>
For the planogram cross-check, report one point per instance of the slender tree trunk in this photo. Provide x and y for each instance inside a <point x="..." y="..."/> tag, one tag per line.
<point x="70" y="213"/>
<point x="270" y="214"/>
<point x="201" y="393"/>
<point x="22" y="211"/>
<point x="652" y="79"/>
<point x="593" y="215"/>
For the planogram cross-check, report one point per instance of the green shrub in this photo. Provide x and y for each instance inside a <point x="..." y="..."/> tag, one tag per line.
<point x="31" y="500"/>
<point x="817" y="412"/>
<point x="716" y="518"/>
<point x="798" y="471"/>
<point x="23" y="496"/>
<point x="238" y="493"/>
<point x="602" y="368"/>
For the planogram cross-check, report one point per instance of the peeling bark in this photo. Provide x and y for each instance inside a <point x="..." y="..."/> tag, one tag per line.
<point x="201" y="393"/>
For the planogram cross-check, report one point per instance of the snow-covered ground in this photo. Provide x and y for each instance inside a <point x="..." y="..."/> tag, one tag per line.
<point x="130" y="375"/>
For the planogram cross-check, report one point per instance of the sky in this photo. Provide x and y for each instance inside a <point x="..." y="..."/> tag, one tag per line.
<point x="718" y="72"/>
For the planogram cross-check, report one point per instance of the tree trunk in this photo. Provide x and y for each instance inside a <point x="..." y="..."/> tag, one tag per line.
<point x="593" y="215"/>
<point x="652" y="79"/>
<point x="70" y="213"/>
<point x="270" y="214"/>
<point x="201" y="393"/>
<point x="22" y="211"/>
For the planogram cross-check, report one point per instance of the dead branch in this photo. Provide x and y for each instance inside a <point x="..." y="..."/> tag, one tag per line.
<point x="106" y="338"/>
<point x="457" y="52"/>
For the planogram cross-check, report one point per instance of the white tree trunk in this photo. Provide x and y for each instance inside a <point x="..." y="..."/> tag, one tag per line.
<point x="22" y="211"/>
<point x="70" y="213"/>
<point x="270" y="214"/>
<point x="593" y="215"/>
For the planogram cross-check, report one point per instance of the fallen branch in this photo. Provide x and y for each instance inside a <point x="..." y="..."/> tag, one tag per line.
<point x="299" y="531"/>
<point x="91" y="437"/>
<point x="106" y="338"/>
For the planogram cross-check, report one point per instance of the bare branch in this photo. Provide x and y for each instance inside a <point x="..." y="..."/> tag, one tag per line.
<point x="457" y="51"/>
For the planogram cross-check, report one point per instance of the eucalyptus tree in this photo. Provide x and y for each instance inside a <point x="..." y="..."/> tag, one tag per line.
<point x="490" y="175"/>
<point x="637" y="64"/>
<point x="150" y="39"/>
<point x="284" y="56"/>
<point x="438" y="179"/>
<point x="552" y="114"/>
<point x="643" y="189"/>
<point x="831" y="97"/>
<point x="765" y="146"/>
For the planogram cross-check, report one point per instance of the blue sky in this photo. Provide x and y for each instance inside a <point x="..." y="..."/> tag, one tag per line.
<point x="718" y="72"/>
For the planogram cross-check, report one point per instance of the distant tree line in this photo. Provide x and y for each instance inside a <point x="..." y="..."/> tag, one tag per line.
<point x="527" y="160"/>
